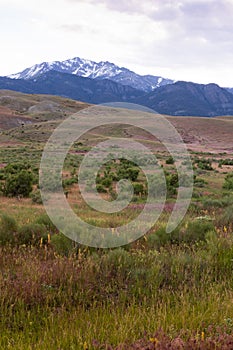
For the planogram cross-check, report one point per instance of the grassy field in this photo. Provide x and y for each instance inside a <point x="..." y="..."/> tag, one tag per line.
<point x="164" y="291"/>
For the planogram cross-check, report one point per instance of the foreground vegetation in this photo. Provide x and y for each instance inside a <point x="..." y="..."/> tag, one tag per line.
<point x="165" y="291"/>
<point x="162" y="292"/>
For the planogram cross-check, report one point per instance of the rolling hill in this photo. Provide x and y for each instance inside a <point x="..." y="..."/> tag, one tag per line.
<point x="32" y="118"/>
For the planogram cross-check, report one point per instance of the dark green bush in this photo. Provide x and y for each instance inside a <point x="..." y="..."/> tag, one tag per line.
<point x="100" y="188"/>
<point x="31" y="234"/>
<point x="36" y="197"/>
<point x="226" y="219"/>
<point x="196" y="230"/>
<point x="45" y="220"/>
<point x="62" y="244"/>
<point x="138" y="188"/>
<point x="8" y="229"/>
<point x="228" y="184"/>
<point x="19" y="184"/>
<point x="170" y="160"/>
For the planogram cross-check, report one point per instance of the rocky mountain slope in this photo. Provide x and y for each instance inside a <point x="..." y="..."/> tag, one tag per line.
<point x="90" y="69"/>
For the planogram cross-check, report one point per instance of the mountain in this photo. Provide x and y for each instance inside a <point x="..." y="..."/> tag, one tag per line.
<point x="179" y="99"/>
<point x="230" y="90"/>
<point x="90" y="69"/>
<point x="72" y="86"/>
<point x="185" y="98"/>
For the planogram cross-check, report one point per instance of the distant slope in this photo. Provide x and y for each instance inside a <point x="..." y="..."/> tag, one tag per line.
<point x="90" y="69"/>
<point x="184" y="98"/>
<point x="78" y="88"/>
<point x="180" y="98"/>
<point x="18" y="109"/>
<point x="32" y="118"/>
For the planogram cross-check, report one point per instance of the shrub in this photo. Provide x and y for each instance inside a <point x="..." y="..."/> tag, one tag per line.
<point x="204" y="164"/>
<point x="106" y="182"/>
<point x="170" y="160"/>
<point x="19" y="184"/>
<point x="227" y="217"/>
<point x="62" y="244"/>
<point x="196" y="230"/>
<point x="138" y="188"/>
<point x="8" y="228"/>
<point x="212" y="203"/>
<point x="31" y="234"/>
<point x="36" y="197"/>
<point x="228" y="184"/>
<point x="45" y="220"/>
<point x="100" y="188"/>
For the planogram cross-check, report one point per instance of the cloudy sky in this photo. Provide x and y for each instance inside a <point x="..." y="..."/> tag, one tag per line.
<point x="179" y="39"/>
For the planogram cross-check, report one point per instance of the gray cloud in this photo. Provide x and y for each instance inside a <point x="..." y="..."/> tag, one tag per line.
<point x="211" y="19"/>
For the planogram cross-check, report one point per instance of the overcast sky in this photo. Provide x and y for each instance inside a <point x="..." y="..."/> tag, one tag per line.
<point x="183" y="40"/>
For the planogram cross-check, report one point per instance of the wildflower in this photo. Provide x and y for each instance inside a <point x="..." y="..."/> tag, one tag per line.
<point x="85" y="346"/>
<point x="202" y="336"/>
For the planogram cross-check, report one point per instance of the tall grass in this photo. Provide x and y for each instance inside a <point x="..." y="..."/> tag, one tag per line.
<point x="51" y="301"/>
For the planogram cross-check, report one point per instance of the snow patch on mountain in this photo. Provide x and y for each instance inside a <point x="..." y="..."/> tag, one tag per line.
<point x="95" y="70"/>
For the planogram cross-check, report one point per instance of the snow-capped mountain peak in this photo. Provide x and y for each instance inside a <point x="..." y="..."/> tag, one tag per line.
<point x="95" y="70"/>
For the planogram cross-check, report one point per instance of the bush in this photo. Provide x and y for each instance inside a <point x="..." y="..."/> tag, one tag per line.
<point x="226" y="219"/>
<point x="45" y="220"/>
<point x="31" y="234"/>
<point x="100" y="188"/>
<point x="138" y="188"/>
<point x="36" y="197"/>
<point x="8" y="228"/>
<point x="170" y="160"/>
<point x="204" y="164"/>
<point x="196" y="230"/>
<point x="228" y="184"/>
<point x="62" y="244"/>
<point x="19" y="184"/>
<point x="212" y="203"/>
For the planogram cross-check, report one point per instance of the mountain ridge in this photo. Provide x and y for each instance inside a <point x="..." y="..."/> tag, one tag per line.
<point x="95" y="70"/>
<point x="102" y="82"/>
<point x="187" y="98"/>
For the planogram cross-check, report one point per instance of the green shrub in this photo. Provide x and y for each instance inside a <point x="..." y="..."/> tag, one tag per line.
<point x="196" y="230"/>
<point x="19" y="184"/>
<point x="62" y="244"/>
<point x="170" y="160"/>
<point x="226" y="219"/>
<point x="138" y="188"/>
<point x="192" y="232"/>
<point x="161" y="238"/>
<point x="106" y="182"/>
<point x="8" y="228"/>
<point x="31" y="234"/>
<point x="36" y="197"/>
<point x="100" y="188"/>
<point x="228" y="184"/>
<point x="45" y="220"/>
